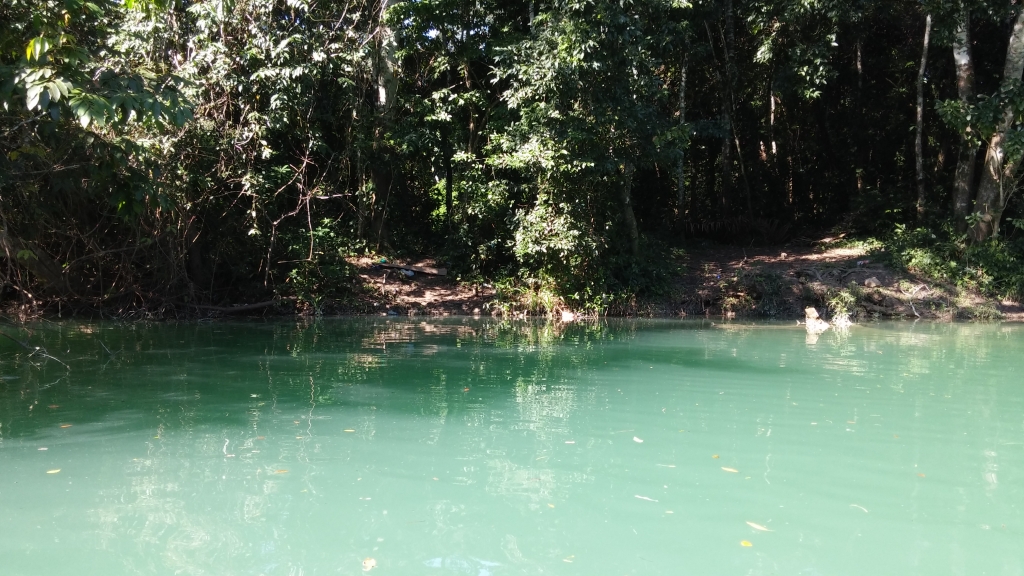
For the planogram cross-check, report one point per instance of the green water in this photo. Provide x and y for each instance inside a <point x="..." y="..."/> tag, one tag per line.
<point x="492" y="448"/>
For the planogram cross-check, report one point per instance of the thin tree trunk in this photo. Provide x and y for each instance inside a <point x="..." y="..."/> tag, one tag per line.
<point x="998" y="177"/>
<point x="963" y="183"/>
<point x="681" y="168"/>
<point x="728" y="42"/>
<point x="627" y="210"/>
<point x="446" y="150"/>
<point x="381" y="168"/>
<point x="919" y="140"/>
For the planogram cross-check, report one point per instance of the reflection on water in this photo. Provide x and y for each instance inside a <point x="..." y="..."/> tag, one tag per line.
<point x="490" y="447"/>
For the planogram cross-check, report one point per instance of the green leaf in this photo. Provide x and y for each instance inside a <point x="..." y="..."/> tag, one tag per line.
<point x="32" y="96"/>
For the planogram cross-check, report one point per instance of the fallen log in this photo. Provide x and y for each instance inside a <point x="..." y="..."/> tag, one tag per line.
<point x="243" y="308"/>
<point x="421" y="269"/>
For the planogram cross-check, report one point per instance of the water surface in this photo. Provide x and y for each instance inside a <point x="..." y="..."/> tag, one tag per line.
<point x="496" y="448"/>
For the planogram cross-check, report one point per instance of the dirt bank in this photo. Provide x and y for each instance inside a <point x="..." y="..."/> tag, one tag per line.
<point x="772" y="282"/>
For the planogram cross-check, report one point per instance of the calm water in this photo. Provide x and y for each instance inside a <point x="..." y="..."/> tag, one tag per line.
<point x="492" y="448"/>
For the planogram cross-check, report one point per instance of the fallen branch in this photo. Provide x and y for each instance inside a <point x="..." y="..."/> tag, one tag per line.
<point x="421" y="269"/>
<point x="911" y="297"/>
<point x="33" y="350"/>
<point x="233" y="309"/>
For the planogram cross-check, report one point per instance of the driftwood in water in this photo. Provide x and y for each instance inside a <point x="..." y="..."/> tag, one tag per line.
<point x="232" y="309"/>
<point x="421" y="269"/>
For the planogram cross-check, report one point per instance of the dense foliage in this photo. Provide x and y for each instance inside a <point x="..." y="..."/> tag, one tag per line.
<point x="156" y="154"/>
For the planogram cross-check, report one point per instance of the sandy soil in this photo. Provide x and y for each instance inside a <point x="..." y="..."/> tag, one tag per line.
<point x="776" y="282"/>
<point x="730" y="281"/>
<point x="389" y="291"/>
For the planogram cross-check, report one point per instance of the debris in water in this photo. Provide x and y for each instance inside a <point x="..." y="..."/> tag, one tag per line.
<point x="757" y="526"/>
<point x="369" y="564"/>
<point x="463" y="565"/>
<point x="261" y="437"/>
<point x="645" y="498"/>
<point x="44" y="448"/>
<point x="715" y="456"/>
<point x="570" y="441"/>
<point x="637" y="440"/>
<point x="65" y="425"/>
<point x="733" y="470"/>
<point x="54" y="471"/>
<point x="348" y="430"/>
<point x="51" y="406"/>
<point x="551" y="505"/>
<point x="859" y="506"/>
<point x="745" y="543"/>
<point x="921" y="475"/>
<point x="569" y="559"/>
<point x="280" y="471"/>
<point x="667" y="465"/>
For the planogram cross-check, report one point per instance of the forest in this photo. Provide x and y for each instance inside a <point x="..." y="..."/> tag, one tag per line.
<point x="157" y="155"/>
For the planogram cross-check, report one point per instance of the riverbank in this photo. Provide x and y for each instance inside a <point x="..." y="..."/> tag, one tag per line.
<point x="778" y="282"/>
<point x="834" y="275"/>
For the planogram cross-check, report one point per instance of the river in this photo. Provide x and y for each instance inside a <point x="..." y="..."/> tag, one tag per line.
<point x="496" y="448"/>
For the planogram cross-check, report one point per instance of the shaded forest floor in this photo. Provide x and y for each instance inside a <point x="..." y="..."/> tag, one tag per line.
<point x="715" y="281"/>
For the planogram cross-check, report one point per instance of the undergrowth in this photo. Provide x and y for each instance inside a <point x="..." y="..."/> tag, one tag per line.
<point x="994" y="267"/>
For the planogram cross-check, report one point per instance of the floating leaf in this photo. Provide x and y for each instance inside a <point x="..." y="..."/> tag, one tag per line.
<point x="349" y="430"/>
<point x="280" y="471"/>
<point x="745" y="543"/>
<point x="757" y="526"/>
<point x="733" y="470"/>
<point x="369" y="564"/>
<point x="54" y="471"/>
<point x="65" y="425"/>
<point x="715" y="456"/>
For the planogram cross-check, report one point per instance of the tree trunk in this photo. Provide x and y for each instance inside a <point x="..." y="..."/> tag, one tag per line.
<point x="627" y="210"/>
<point x="1000" y="171"/>
<point x="381" y="168"/>
<point x="446" y="150"/>
<point x="919" y="140"/>
<point x="681" y="168"/>
<point x="963" y="184"/>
